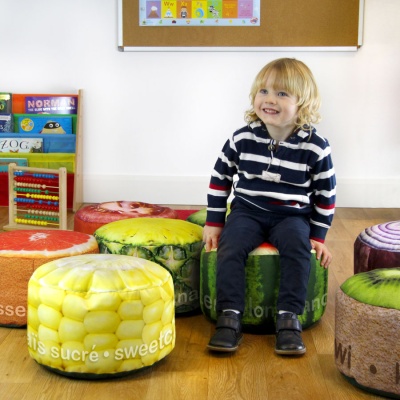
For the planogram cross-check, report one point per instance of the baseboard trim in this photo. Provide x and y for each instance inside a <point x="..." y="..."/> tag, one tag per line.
<point x="189" y="190"/>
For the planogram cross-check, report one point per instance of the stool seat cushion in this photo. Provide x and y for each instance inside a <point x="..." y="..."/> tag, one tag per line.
<point x="172" y="243"/>
<point x="367" y="320"/>
<point x="262" y="273"/>
<point x="377" y="247"/>
<point x="91" y="217"/>
<point x="98" y="316"/>
<point x="21" y="253"/>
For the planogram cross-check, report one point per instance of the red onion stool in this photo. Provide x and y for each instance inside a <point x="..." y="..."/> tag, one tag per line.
<point x="377" y="247"/>
<point x="21" y="253"/>
<point x="367" y="320"/>
<point x="89" y="218"/>
<point x="99" y="316"/>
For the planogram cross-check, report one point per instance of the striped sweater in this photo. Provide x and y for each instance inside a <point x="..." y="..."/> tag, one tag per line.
<point x="297" y="178"/>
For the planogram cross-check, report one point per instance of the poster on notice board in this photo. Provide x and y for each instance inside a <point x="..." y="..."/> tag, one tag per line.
<point x="199" y="13"/>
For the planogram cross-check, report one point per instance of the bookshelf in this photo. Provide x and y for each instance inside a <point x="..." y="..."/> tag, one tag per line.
<point x="72" y="161"/>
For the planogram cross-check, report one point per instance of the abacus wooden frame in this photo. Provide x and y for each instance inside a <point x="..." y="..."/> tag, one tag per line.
<point x="62" y="194"/>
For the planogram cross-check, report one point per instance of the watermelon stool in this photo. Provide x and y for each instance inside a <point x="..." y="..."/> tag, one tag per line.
<point x="367" y="320"/>
<point x="172" y="243"/>
<point x="99" y="316"/>
<point x="91" y="217"/>
<point x="262" y="285"/>
<point x="377" y="247"/>
<point x="21" y="252"/>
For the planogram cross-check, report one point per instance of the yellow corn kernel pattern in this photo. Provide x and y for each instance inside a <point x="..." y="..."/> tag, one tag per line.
<point x="119" y="317"/>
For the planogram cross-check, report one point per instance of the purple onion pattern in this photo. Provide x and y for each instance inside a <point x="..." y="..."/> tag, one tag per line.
<point x="378" y="247"/>
<point x="383" y="236"/>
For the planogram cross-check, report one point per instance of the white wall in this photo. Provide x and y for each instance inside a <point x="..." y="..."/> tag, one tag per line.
<point x="154" y="122"/>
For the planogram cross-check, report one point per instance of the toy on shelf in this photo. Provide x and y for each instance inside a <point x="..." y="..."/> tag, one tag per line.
<point x="37" y="198"/>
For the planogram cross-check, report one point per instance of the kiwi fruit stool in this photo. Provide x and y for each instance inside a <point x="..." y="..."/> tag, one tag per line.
<point x="21" y="252"/>
<point x="367" y="345"/>
<point x="99" y="316"/>
<point x="377" y="247"/>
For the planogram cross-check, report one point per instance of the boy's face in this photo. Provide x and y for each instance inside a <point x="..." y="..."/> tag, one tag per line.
<point x="277" y="109"/>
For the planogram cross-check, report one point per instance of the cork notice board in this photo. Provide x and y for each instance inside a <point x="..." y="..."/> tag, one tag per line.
<point x="310" y="24"/>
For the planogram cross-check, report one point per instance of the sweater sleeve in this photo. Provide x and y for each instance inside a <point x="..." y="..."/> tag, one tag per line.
<point x="221" y="184"/>
<point x="323" y="195"/>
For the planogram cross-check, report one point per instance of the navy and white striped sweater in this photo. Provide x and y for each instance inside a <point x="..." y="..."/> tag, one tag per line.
<point x="297" y="178"/>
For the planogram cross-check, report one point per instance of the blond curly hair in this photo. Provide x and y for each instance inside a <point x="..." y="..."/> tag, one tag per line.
<point x="295" y="78"/>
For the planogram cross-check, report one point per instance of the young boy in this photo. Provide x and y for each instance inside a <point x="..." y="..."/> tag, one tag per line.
<point x="284" y="193"/>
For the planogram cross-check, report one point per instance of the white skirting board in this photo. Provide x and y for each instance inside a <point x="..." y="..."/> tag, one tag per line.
<point x="192" y="190"/>
<point x="185" y="190"/>
<point x="368" y="193"/>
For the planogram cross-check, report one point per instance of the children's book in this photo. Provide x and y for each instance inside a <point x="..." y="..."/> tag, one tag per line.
<point x="23" y="145"/>
<point x="42" y="123"/>
<point x="5" y="103"/>
<point x="6" y="123"/>
<point x="44" y="103"/>
<point x="4" y="161"/>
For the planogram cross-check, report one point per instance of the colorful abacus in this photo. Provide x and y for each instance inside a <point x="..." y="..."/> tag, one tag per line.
<point x="37" y="198"/>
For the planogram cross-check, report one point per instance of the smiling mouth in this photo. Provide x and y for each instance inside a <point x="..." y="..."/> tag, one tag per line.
<point x="270" y="111"/>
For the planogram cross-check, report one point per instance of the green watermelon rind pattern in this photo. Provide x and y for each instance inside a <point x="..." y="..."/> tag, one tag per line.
<point x="262" y="286"/>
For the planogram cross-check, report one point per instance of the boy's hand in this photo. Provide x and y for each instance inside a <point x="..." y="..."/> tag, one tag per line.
<point x="322" y="253"/>
<point x="211" y="236"/>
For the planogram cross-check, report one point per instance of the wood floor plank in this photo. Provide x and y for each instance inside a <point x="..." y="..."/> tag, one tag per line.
<point x="15" y="362"/>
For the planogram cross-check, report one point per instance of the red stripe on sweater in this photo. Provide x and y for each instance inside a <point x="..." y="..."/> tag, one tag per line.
<point x="326" y="206"/>
<point x="216" y="187"/>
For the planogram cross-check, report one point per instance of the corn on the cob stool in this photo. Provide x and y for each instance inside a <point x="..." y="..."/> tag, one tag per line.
<point x="21" y="252"/>
<point x="99" y="316"/>
<point x="172" y="243"/>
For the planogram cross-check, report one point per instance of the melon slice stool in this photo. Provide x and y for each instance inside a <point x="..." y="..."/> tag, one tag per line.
<point x="21" y="253"/>
<point x="367" y="321"/>
<point x="99" y="316"/>
<point x="172" y="243"/>
<point x="262" y="285"/>
<point x="377" y="247"/>
<point x="91" y="217"/>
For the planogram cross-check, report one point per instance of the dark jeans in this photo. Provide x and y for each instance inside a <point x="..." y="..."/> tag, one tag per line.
<point x="245" y="229"/>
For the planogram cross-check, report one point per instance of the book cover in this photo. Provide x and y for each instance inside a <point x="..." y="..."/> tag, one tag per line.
<point x="51" y="143"/>
<point x="51" y="105"/>
<point x="23" y="145"/>
<point x="4" y="161"/>
<point x="6" y="123"/>
<point x="42" y="123"/>
<point x="5" y="103"/>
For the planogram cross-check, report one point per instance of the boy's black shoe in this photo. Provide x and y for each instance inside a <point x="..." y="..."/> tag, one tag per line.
<point x="228" y="335"/>
<point x="288" y="338"/>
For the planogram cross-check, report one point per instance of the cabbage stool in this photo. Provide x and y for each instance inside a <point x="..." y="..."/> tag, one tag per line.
<point x="377" y="247"/>
<point x="172" y="243"/>
<point x="367" y="320"/>
<point x="91" y="217"/>
<point x="100" y="316"/>
<point x="262" y="285"/>
<point x="21" y="252"/>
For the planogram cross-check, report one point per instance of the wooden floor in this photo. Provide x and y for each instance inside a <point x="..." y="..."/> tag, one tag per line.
<point x="191" y="372"/>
